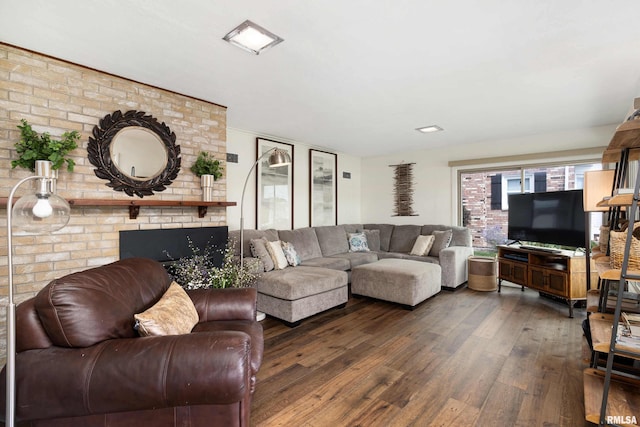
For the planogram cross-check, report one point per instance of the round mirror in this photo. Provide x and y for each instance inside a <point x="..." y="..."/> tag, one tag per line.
<point x="134" y="152"/>
<point x="139" y="153"/>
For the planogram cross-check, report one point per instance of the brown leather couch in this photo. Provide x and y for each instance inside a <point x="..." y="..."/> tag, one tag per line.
<point x="80" y="362"/>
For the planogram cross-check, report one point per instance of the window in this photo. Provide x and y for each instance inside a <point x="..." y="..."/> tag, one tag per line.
<point x="511" y="184"/>
<point x="484" y="196"/>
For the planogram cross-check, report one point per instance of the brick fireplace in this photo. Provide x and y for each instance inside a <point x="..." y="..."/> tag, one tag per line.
<point x="56" y="96"/>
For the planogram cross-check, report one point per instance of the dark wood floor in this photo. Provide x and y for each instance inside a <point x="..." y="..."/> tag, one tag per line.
<point x="461" y="358"/>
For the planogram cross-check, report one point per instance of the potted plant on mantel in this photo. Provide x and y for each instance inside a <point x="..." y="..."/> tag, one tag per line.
<point x="33" y="146"/>
<point x="209" y="170"/>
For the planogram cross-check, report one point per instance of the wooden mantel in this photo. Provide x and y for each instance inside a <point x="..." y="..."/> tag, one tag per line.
<point x="135" y="204"/>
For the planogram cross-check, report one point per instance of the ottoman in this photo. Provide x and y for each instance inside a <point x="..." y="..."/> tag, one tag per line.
<point x="298" y="292"/>
<point x="397" y="280"/>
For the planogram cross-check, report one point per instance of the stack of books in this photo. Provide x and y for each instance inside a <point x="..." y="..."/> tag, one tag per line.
<point x="629" y="331"/>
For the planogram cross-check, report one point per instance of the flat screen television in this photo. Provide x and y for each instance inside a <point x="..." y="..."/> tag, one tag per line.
<point x="555" y="217"/>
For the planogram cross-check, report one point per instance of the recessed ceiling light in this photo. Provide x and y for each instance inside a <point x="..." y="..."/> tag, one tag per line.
<point x="252" y="37"/>
<point x="428" y="129"/>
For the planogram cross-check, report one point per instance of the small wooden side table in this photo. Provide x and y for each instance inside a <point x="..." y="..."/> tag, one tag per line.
<point x="483" y="274"/>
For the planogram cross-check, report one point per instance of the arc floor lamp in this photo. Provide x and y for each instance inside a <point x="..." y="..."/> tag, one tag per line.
<point x="277" y="158"/>
<point x="36" y="213"/>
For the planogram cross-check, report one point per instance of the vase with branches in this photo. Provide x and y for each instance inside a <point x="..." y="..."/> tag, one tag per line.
<point x="199" y="270"/>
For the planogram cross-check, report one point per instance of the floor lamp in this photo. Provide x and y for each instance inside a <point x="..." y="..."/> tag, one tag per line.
<point x="35" y="213"/>
<point x="277" y="158"/>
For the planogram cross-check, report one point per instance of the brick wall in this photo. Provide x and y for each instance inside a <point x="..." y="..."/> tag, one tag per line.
<point x="489" y="226"/>
<point x="55" y="96"/>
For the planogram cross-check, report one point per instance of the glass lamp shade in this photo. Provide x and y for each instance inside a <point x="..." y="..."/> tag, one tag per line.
<point x="39" y="214"/>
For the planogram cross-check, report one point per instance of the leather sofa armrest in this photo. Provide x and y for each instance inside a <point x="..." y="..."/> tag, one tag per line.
<point x="224" y="304"/>
<point x="132" y="374"/>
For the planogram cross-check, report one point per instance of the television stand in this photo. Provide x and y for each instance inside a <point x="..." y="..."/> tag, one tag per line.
<point x="555" y="272"/>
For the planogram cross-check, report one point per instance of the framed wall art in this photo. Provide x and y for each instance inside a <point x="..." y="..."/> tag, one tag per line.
<point x="323" y="201"/>
<point x="403" y="189"/>
<point x="274" y="189"/>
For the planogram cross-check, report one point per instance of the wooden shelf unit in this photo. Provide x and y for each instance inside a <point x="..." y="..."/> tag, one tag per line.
<point x="562" y="273"/>
<point x="600" y="325"/>
<point x="612" y="396"/>
<point x="623" y="401"/>
<point x="135" y="204"/>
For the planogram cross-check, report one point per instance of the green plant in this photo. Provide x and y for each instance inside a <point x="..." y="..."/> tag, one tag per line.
<point x="206" y="164"/>
<point x="198" y="271"/>
<point x="33" y="146"/>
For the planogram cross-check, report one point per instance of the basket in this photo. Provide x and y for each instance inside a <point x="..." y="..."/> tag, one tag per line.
<point x="617" y="241"/>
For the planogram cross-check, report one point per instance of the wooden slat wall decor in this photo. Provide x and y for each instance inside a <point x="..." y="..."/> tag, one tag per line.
<point x="403" y="189"/>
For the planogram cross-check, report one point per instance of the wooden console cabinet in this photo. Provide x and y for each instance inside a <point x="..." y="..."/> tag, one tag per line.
<point x="558" y="273"/>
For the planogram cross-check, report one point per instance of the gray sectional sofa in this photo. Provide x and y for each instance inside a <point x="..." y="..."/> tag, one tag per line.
<point x="320" y="282"/>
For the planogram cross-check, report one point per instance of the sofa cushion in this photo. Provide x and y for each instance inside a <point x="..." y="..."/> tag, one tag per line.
<point x="328" y="262"/>
<point x="300" y="282"/>
<point x="385" y="254"/>
<point x="353" y="228"/>
<point x="259" y="250"/>
<point x="304" y="240"/>
<point x="403" y="238"/>
<point x="248" y="234"/>
<point x="88" y="307"/>
<point x="173" y="314"/>
<point x="461" y="236"/>
<point x="357" y="258"/>
<point x="442" y="239"/>
<point x="424" y="258"/>
<point x="332" y="239"/>
<point x="385" y="234"/>
<point x="373" y="239"/>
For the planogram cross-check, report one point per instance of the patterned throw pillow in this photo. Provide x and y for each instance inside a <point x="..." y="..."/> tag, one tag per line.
<point x="290" y="254"/>
<point x="259" y="250"/>
<point x="358" y="242"/>
<point x="277" y="255"/>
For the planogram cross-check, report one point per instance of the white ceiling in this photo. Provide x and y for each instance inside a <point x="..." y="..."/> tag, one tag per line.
<point x="359" y="76"/>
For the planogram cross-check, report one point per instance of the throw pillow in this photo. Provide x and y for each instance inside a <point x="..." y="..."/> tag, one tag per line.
<point x="259" y="250"/>
<point x="277" y="255"/>
<point x="442" y="239"/>
<point x="290" y="254"/>
<point x="173" y="314"/>
<point x="373" y="239"/>
<point x="422" y="246"/>
<point x="358" y="242"/>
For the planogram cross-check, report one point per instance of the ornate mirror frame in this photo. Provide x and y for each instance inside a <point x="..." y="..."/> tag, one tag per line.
<point x="99" y="153"/>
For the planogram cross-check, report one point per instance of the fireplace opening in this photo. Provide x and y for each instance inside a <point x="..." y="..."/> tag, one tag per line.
<point x="167" y="245"/>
